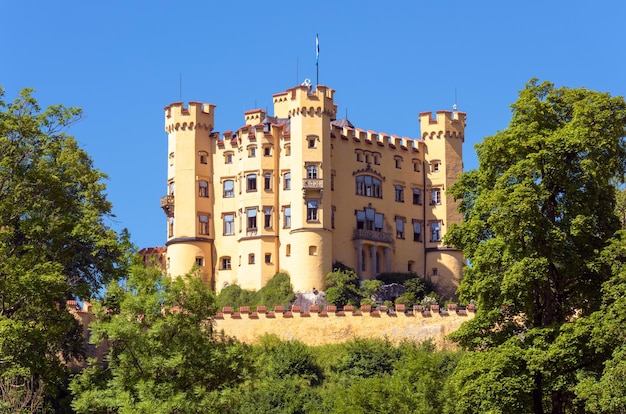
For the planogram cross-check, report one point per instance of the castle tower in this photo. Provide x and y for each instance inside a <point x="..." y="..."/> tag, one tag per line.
<point x="443" y="163"/>
<point x="310" y="236"/>
<point x="188" y="204"/>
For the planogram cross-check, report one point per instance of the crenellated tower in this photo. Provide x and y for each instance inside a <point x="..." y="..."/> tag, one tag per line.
<point x="310" y="113"/>
<point x="443" y="136"/>
<point x="188" y="204"/>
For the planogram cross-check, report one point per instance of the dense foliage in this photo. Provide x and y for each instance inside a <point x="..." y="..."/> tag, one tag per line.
<point x="163" y="354"/>
<point x="55" y="244"/>
<point x="276" y="292"/>
<point x="538" y="212"/>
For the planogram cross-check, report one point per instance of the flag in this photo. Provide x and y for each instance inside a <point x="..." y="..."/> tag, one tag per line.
<point x="317" y="49"/>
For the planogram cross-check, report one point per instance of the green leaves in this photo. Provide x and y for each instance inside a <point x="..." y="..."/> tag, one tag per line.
<point x="163" y="353"/>
<point x="539" y="210"/>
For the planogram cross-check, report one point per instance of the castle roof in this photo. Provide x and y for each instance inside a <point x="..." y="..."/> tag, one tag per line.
<point x="344" y="122"/>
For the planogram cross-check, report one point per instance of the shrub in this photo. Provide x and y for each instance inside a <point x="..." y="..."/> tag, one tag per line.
<point x="277" y="291"/>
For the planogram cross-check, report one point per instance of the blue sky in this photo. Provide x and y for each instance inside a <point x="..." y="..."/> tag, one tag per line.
<point x="122" y="63"/>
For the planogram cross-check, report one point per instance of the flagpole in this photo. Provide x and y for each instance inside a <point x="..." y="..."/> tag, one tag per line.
<point x="317" y="60"/>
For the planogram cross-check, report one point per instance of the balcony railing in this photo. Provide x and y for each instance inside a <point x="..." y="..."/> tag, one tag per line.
<point x="373" y="235"/>
<point x="312" y="183"/>
<point x="167" y="204"/>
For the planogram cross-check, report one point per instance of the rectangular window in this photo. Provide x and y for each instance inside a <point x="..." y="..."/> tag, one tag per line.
<point x="267" y="181"/>
<point x="229" y="188"/>
<point x="287" y="181"/>
<point x="203" y="188"/>
<point x="229" y="224"/>
<point x="251" y="258"/>
<point x="287" y="221"/>
<point x="200" y="261"/>
<point x="267" y="151"/>
<point x="251" y="182"/>
<point x="378" y="221"/>
<point x="311" y="142"/>
<point x="417" y="196"/>
<point x="311" y="210"/>
<point x="228" y="159"/>
<point x="435" y="231"/>
<point x="399" y="192"/>
<point x="267" y="214"/>
<point x="435" y="196"/>
<point x="251" y="223"/>
<point x="226" y="265"/>
<point x="252" y="152"/>
<point x="203" y="220"/>
<point x="400" y="228"/>
<point x="360" y="219"/>
<point x="417" y="231"/>
<point x="268" y="257"/>
<point x="311" y="171"/>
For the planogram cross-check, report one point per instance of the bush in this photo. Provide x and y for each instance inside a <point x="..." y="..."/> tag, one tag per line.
<point x="234" y="296"/>
<point x="342" y="288"/>
<point x="277" y="291"/>
<point x="367" y="358"/>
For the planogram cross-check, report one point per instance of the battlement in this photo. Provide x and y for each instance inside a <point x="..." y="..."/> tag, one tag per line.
<point x="380" y="139"/>
<point x="302" y="100"/>
<point x="196" y="115"/>
<point x="254" y="116"/>
<point x="320" y="326"/>
<point x="449" y="124"/>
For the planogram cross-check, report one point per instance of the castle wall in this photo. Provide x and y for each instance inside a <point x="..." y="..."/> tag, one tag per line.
<point x="332" y="327"/>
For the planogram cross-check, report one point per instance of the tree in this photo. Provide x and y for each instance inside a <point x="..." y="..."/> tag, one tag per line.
<point x="54" y="240"/>
<point x="342" y="288"/>
<point x="163" y="353"/>
<point x="602" y="388"/>
<point x="537" y="212"/>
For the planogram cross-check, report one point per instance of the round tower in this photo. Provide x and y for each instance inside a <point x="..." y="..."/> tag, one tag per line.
<point x="187" y="205"/>
<point x="310" y="113"/>
<point x="443" y="136"/>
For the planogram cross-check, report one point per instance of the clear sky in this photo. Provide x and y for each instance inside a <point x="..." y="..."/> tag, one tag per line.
<point x="122" y="61"/>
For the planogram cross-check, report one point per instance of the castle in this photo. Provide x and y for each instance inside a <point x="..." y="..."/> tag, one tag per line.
<point x="299" y="190"/>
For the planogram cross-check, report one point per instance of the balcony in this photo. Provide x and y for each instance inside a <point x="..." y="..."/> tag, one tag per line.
<point x="312" y="184"/>
<point x="373" y="235"/>
<point x="167" y="204"/>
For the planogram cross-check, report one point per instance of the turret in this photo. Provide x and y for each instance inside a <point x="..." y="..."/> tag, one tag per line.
<point x="310" y="113"/>
<point x="443" y="137"/>
<point x="187" y="203"/>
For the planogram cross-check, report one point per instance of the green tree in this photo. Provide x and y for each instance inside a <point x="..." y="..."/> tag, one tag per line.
<point x="163" y="355"/>
<point x="537" y="211"/>
<point x="342" y="288"/>
<point x="367" y="358"/>
<point x="55" y="243"/>
<point x="602" y="388"/>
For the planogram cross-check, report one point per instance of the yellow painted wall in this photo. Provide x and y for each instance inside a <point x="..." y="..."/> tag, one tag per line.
<point x="299" y="134"/>
<point x="331" y="329"/>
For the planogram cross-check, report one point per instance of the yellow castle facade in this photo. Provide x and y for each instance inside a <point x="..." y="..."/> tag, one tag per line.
<point x="300" y="190"/>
